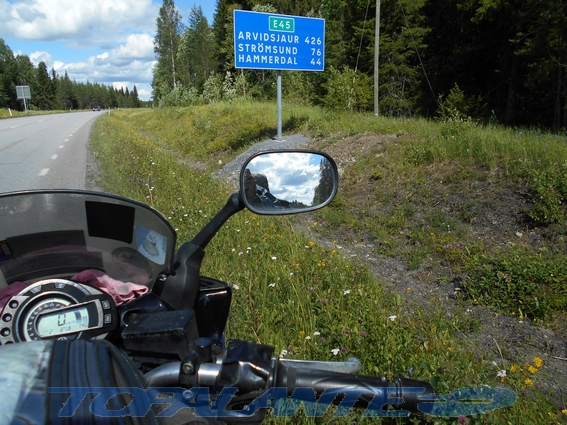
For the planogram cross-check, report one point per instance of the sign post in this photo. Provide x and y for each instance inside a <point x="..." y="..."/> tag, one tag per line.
<point x="23" y="92"/>
<point x="278" y="42"/>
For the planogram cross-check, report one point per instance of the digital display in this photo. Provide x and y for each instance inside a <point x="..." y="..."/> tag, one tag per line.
<point x="62" y="322"/>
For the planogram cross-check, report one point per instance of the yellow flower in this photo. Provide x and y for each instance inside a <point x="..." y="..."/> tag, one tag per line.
<point x="514" y="368"/>
<point x="532" y="369"/>
<point x="538" y="362"/>
<point x="564" y="411"/>
<point x="529" y="382"/>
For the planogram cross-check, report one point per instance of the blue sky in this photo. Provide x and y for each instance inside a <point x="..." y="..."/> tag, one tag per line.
<point x="104" y="41"/>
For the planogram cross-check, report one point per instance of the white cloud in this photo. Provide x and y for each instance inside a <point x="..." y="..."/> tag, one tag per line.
<point x="37" y="57"/>
<point x="79" y="21"/>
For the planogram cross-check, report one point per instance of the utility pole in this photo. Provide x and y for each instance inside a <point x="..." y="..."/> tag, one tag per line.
<point x="377" y="59"/>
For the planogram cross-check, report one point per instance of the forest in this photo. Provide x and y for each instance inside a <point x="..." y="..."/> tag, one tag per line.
<point x="51" y="91"/>
<point x="498" y="61"/>
<point x="495" y="61"/>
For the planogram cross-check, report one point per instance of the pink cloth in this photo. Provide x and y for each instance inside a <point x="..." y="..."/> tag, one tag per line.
<point x="121" y="292"/>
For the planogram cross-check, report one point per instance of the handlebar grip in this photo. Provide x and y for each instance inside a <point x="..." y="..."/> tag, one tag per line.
<point x="370" y="391"/>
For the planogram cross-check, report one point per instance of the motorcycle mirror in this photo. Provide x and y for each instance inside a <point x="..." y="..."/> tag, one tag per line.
<point x="288" y="182"/>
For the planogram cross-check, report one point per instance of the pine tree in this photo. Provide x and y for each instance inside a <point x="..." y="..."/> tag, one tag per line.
<point x="196" y="50"/>
<point x="166" y="44"/>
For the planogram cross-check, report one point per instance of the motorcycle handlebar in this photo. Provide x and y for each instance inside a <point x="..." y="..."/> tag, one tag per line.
<point x="355" y="390"/>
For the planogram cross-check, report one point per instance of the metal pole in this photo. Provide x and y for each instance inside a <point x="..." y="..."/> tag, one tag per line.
<point x="279" y="78"/>
<point x="377" y="60"/>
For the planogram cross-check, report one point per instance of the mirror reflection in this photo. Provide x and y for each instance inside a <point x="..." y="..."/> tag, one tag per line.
<point x="288" y="182"/>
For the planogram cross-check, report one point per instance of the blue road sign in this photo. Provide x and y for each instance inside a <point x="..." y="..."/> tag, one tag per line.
<point x="280" y="42"/>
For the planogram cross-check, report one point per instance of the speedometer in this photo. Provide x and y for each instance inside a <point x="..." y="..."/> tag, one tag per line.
<point x="57" y="308"/>
<point x="62" y="322"/>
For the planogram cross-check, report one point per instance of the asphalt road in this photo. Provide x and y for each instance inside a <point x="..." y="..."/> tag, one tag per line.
<point x="45" y="152"/>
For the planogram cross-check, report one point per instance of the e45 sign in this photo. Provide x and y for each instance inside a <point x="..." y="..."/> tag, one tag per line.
<point x="279" y="42"/>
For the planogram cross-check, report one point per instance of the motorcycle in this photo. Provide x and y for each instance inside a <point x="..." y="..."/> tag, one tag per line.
<point x="102" y="321"/>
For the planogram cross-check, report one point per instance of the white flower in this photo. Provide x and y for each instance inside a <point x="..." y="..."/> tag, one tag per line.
<point x="392" y="318"/>
<point x="272" y="285"/>
<point x="501" y="374"/>
<point x="307" y="337"/>
<point x="335" y="351"/>
<point x="236" y="287"/>
<point x="283" y="353"/>
<point x="346" y="292"/>
<point x="233" y="249"/>
<point x="316" y="333"/>
<point x="274" y="258"/>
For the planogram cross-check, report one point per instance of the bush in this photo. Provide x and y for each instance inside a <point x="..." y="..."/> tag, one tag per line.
<point x="457" y="106"/>
<point x="348" y="90"/>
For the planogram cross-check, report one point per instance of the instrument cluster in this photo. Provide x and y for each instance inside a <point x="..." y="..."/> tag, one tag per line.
<point x="57" y="309"/>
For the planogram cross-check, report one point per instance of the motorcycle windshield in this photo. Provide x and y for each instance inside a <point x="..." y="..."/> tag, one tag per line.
<point x="59" y="233"/>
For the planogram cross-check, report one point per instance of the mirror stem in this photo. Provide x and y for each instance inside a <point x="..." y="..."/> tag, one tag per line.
<point x="233" y="205"/>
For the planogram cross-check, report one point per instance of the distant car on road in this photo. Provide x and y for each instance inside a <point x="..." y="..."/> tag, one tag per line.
<point x="96" y="108"/>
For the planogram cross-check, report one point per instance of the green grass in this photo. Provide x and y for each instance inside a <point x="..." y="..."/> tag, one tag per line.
<point x="295" y="295"/>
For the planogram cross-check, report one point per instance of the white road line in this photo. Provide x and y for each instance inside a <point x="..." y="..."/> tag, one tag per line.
<point x="54" y="157"/>
<point x="43" y="172"/>
<point x="66" y="140"/>
<point x="61" y="147"/>
<point x="16" y="126"/>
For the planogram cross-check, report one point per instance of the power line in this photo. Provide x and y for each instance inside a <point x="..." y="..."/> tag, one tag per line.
<point x="418" y="55"/>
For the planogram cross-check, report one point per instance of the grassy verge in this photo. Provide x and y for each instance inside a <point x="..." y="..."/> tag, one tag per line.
<point x="5" y="113"/>
<point x="307" y="301"/>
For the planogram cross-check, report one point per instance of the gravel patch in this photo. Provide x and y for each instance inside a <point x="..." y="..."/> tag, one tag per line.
<point x="231" y="171"/>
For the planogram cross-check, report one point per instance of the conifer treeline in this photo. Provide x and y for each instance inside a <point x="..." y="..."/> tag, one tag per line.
<point x="51" y="91"/>
<point x="502" y="60"/>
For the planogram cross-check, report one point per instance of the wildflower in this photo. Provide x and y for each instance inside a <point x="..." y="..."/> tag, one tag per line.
<point x="316" y="333"/>
<point x="322" y="339"/>
<point x="236" y="287"/>
<point x="392" y="318"/>
<point x="514" y="368"/>
<point x="501" y="374"/>
<point x="324" y="302"/>
<point x="335" y="351"/>
<point x="529" y="382"/>
<point x="272" y="285"/>
<point x="310" y="288"/>
<point x="462" y="420"/>
<point x="346" y="292"/>
<point x="363" y="334"/>
<point x="283" y="353"/>
<point x="344" y="350"/>
<point x="307" y="337"/>
<point x="346" y="332"/>
<point x="233" y="249"/>
<point x="532" y="369"/>
<point x="274" y="258"/>
<point x="538" y="362"/>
